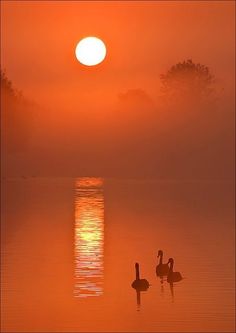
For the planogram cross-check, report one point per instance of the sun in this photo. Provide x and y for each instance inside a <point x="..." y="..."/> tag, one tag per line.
<point x="90" y="51"/>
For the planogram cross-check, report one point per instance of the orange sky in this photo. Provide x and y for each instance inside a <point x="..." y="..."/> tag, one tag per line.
<point x="143" y="39"/>
<point x="108" y="119"/>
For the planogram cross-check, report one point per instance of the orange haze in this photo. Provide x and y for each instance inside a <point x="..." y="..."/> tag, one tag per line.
<point x="108" y="116"/>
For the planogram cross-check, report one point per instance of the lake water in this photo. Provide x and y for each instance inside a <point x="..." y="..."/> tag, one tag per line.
<point x="69" y="247"/>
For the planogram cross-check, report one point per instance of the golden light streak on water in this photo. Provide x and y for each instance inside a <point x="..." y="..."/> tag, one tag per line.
<point x="89" y="237"/>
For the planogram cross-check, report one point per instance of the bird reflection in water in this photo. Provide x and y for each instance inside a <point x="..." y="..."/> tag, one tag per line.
<point x="172" y="291"/>
<point x="89" y="237"/>
<point x="171" y="284"/>
<point x="138" y="297"/>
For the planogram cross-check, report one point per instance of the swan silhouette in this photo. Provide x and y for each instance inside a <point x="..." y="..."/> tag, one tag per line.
<point x="173" y="276"/>
<point x="139" y="284"/>
<point x="161" y="269"/>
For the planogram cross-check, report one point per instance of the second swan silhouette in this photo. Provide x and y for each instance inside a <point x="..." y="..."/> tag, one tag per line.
<point x="173" y="276"/>
<point x="161" y="269"/>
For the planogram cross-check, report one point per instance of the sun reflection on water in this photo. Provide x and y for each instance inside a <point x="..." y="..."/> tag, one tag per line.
<point x="89" y="237"/>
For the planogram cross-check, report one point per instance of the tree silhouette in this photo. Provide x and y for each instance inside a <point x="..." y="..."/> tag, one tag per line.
<point x="7" y="87"/>
<point x="187" y="81"/>
<point x="16" y="117"/>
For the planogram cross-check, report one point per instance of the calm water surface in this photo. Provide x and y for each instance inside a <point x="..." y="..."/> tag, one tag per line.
<point x="69" y="247"/>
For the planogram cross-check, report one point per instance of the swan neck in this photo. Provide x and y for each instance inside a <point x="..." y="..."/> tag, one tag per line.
<point x="171" y="266"/>
<point x="161" y="257"/>
<point x="137" y="273"/>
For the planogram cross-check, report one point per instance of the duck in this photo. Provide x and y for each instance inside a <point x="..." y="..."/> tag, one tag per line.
<point x="173" y="276"/>
<point x="139" y="284"/>
<point x="161" y="269"/>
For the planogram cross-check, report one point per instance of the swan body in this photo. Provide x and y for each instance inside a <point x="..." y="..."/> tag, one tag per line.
<point x="161" y="269"/>
<point x="173" y="276"/>
<point x="139" y="284"/>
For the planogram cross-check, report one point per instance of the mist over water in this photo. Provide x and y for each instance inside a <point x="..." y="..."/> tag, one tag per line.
<point x="162" y="178"/>
<point x="102" y="167"/>
<point x="177" y="143"/>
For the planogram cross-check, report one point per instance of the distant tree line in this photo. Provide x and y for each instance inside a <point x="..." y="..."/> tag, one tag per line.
<point x="16" y="117"/>
<point x="185" y="82"/>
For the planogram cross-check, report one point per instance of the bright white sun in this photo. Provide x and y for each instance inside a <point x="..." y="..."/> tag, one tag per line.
<point x="90" y="51"/>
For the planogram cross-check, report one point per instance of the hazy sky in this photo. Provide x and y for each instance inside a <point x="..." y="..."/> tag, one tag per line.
<point x="143" y="39"/>
<point x="104" y="119"/>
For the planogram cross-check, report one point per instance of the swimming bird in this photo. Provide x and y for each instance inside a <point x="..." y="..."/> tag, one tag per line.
<point x="161" y="269"/>
<point x="139" y="284"/>
<point x="173" y="276"/>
